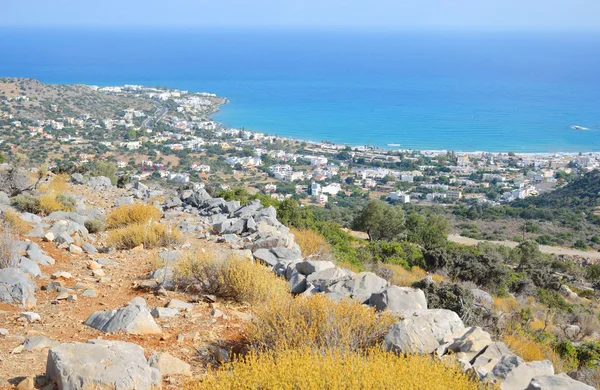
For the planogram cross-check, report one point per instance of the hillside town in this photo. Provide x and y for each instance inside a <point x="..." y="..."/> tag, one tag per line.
<point x="180" y="142"/>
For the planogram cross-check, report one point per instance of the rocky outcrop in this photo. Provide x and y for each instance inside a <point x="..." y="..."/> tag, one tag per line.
<point x="101" y="364"/>
<point x="556" y="382"/>
<point x="16" y="287"/>
<point x="422" y="331"/>
<point x="512" y="372"/>
<point x="360" y="287"/>
<point x="398" y="299"/>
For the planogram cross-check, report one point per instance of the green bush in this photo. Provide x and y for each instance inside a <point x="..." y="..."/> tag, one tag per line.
<point x="552" y="299"/>
<point x="94" y="225"/>
<point x="27" y="203"/>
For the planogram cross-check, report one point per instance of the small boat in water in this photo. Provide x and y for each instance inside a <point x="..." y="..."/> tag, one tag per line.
<point x="579" y="128"/>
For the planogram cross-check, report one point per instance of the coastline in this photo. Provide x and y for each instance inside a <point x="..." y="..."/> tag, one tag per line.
<point x="339" y="145"/>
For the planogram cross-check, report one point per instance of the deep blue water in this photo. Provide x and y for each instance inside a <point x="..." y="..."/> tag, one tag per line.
<point x="461" y="91"/>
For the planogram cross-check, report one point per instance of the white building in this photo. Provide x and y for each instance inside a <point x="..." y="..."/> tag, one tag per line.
<point x="399" y="196"/>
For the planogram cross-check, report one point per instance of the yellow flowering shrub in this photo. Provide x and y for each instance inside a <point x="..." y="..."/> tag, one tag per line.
<point x="131" y="214"/>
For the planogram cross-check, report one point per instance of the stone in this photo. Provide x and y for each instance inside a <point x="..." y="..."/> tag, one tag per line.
<point x="74" y="249"/>
<point x="61" y="275"/>
<point x="64" y="238"/>
<point x="26" y="384"/>
<point x="16" y="287"/>
<point x="164" y="312"/>
<point x="470" y="342"/>
<point x="266" y="256"/>
<point x="36" y="343"/>
<point x="35" y="254"/>
<point x="180" y="305"/>
<point x="77" y="178"/>
<point x="3" y="332"/>
<point x="422" y="331"/>
<point x="512" y="372"/>
<point x="132" y="319"/>
<point x="556" y="382"/>
<point x="89" y="248"/>
<point x="482" y="298"/>
<point x="101" y="364"/>
<point x="49" y="237"/>
<point x="124" y="200"/>
<point x="169" y="365"/>
<point x="99" y="182"/>
<point x="330" y="276"/>
<point x="98" y="273"/>
<point x="93" y="265"/>
<point x="297" y="283"/>
<point x="30" y="267"/>
<point x="360" y="287"/>
<point x="30" y="316"/>
<point x="308" y="267"/>
<point x="398" y="299"/>
<point x="89" y="293"/>
<point x="486" y="361"/>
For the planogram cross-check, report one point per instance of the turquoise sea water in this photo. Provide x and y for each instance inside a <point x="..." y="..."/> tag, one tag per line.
<point x="460" y="91"/>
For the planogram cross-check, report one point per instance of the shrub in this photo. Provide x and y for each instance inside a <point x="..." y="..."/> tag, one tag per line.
<point x="318" y="323"/>
<point x="506" y="305"/>
<point x="233" y="278"/>
<point x="59" y="184"/>
<point x="308" y="369"/>
<point x="531" y="350"/>
<point x="312" y="243"/>
<point x="133" y="214"/>
<point x="94" y="225"/>
<point x="49" y="203"/>
<point x="151" y="235"/>
<point x="8" y="250"/>
<point x="14" y="222"/>
<point x="552" y="299"/>
<point x="24" y="202"/>
<point x="400" y="276"/>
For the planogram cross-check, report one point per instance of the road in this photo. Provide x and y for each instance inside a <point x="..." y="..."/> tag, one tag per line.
<point x="158" y="115"/>
<point x="552" y="250"/>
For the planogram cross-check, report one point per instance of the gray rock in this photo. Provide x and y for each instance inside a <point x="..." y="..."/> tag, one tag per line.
<point x="36" y="255"/>
<point x="512" y="372"/>
<point x="132" y="319"/>
<point x="4" y="198"/>
<point x="164" y="312"/>
<point x="30" y="316"/>
<point x="330" y="276"/>
<point x="422" y="331"/>
<point x="297" y="283"/>
<point x="360" y="287"/>
<point x="398" y="299"/>
<point x="469" y="343"/>
<point x="37" y="231"/>
<point x="169" y="365"/>
<point x="251" y="225"/>
<point x="99" y="183"/>
<point x="3" y="332"/>
<point x="89" y="293"/>
<point x="77" y="178"/>
<point x="31" y="218"/>
<point x="482" y="298"/>
<point x="36" y="343"/>
<point x="63" y="238"/>
<point x="235" y="226"/>
<point x="286" y="255"/>
<point x="124" y="200"/>
<point x="308" y="267"/>
<point x="168" y="256"/>
<point x="247" y="210"/>
<point x="89" y="248"/>
<point x="556" y="382"/>
<point x="180" y="305"/>
<point x="16" y="287"/>
<point x="30" y="267"/>
<point x="163" y="277"/>
<point x="266" y="256"/>
<point x="486" y="361"/>
<point x="101" y="364"/>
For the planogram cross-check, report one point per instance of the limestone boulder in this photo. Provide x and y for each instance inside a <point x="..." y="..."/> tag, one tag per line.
<point x="556" y="382"/>
<point x="512" y="372"/>
<point x="360" y="287"/>
<point x="167" y="364"/>
<point x="398" y="299"/>
<point x="101" y="364"/>
<point x="422" y="331"/>
<point x="328" y="277"/>
<point x="16" y="287"/>
<point x="135" y="318"/>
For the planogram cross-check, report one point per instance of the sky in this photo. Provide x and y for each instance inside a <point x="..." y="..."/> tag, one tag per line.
<point x="548" y="15"/>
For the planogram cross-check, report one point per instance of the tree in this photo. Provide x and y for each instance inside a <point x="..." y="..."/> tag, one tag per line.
<point x="105" y="168"/>
<point x="2" y="158"/>
<point x="431" y="231"/>
<point x="380" y="221"/>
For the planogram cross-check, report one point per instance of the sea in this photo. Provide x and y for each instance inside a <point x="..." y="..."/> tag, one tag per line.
<point x="424" y="90"/>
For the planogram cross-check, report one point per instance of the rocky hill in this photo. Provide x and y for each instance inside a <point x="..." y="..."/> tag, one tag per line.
<point x="154" y="301"/>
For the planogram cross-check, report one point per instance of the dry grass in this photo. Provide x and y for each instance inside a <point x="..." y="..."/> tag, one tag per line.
<point x="134" y="214"/>
<point x="318" y="323"/>
<point x="14" y="222"/>
<point x="308" y="369"/>
<point x="49" y="203"/>
<point x="506" y="305"/>
<point x="8" y="250"/>
<point x="233" y="278"/>
<point x="312" y="243"/>
<point x="59" y="184"/>
<point x="400" y="276"/>
<point x="531" y="350"/>
<point x="151" y="235"/>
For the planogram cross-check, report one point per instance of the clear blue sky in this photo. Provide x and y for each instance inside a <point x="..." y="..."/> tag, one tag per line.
<point x="368" y="14"/>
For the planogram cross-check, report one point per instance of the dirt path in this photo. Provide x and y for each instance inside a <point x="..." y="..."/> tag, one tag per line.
<point x="552" y="250"/>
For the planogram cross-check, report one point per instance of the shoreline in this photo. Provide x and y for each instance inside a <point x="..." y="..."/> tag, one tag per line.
<point x="401" y="150"/>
